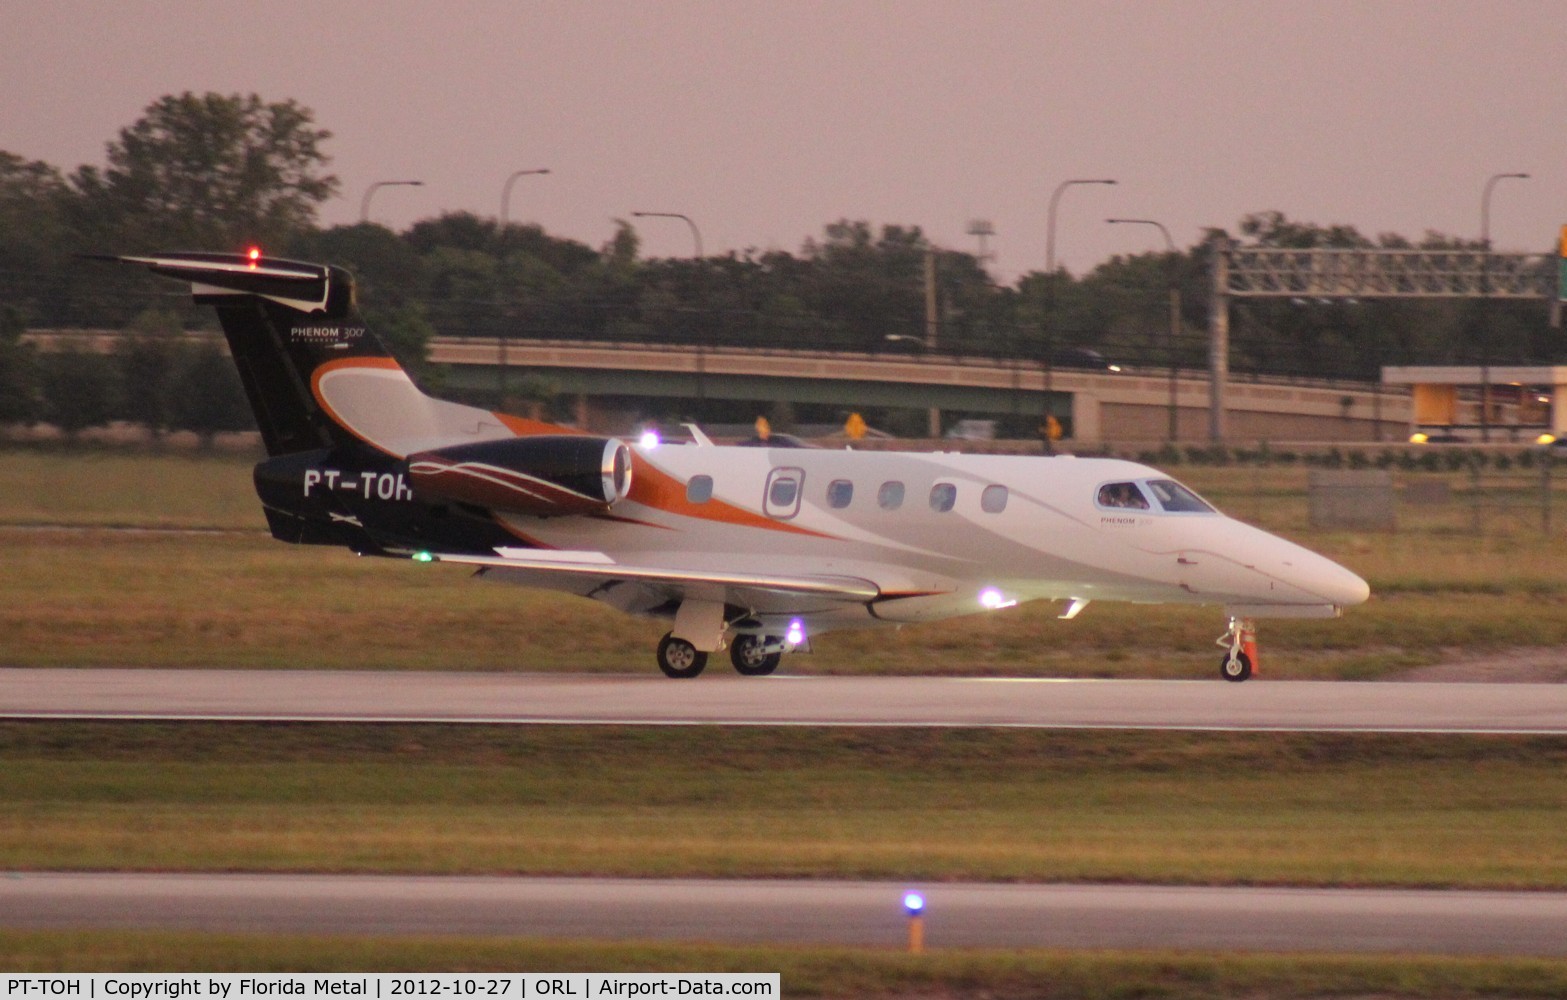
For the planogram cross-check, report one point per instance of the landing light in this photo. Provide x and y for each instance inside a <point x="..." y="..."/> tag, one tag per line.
<point x="649" y="439"/>
<point x="796" y="634"/>
<point x="994" y="599"/>
<point x="913" y="903"/>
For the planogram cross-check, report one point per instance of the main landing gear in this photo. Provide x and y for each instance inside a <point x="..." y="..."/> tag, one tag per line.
<point x="752" y="656"/>
<point x="755" y="655"/>
<point x="679" y="658"/>
<point x="1240" y="643"/>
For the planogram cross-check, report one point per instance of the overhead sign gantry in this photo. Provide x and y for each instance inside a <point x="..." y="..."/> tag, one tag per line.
<point x="1342" y="275"/>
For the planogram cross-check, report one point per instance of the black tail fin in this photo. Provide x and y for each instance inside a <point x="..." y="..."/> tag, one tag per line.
<point x="283" y="319"/>
<point x="315" y="376"/>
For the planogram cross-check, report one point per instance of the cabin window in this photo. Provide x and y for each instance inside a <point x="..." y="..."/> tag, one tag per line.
<point x="942" y="497"/>
<point x="783" y="493"/>
<point x="839" y="493"/>
<point x="699" y="489"/>
<point x="993" y="500"/>
<point x="1123" y="496"/>
<point x="1177" y="499"/>
<point x="782" y="498"/>
<point x="890" y="496"/>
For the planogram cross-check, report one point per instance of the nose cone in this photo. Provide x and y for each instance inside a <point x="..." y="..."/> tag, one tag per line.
<point x="1283" y="574"/>
<point x="1333" y="583"/>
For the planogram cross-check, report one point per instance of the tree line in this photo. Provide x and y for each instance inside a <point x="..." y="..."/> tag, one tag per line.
<point x="225" y="172"/>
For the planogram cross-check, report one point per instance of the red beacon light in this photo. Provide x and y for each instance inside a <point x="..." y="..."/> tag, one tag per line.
<point x="254" y="256"/>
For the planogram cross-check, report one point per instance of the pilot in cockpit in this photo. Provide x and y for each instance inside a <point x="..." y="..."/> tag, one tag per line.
<point x="1123" y="495"/>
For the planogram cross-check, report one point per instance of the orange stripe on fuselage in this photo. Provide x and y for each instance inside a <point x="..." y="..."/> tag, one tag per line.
<point x="653" y="487"/>
<point x="527" y="427"/>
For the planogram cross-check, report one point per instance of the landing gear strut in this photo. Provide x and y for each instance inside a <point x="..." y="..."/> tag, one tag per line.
<point x="1240" y="643"/>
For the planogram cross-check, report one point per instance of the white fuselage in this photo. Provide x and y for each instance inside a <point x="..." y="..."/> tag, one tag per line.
<point x="938" y="535"/>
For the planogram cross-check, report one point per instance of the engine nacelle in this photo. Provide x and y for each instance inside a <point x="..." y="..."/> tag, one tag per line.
<point x="543" y="475"/>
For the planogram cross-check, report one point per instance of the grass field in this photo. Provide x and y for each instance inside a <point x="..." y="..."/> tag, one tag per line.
<point x="895" y="804"/>
<point x="110" y="599"/>
<point x="229" y="595"/>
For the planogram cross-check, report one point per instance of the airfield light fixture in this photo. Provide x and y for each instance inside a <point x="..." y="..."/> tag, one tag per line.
<point x="914" y="906"/>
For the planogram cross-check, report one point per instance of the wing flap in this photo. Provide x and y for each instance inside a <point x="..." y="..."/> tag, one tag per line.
<point x="601" y="566"/>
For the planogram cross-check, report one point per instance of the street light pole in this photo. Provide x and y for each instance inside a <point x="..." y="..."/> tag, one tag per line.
<point x="1485" y="298"/>
<point x="696" y="236"/>
<point x="1050" y="286"/>
<point x="1050" y="220"/>
<point x="506" y="191"/>
<point x="1175" y="315"/>
<point x="1485" y="205"/>
<point x="701" y="352"/>
<point x="364" y="203"/>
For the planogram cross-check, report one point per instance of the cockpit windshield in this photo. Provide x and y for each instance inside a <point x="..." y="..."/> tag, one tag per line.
<point x="1122" y="496"/>
<point x="1168" y="496"/>
<point x="1177" y="499"/>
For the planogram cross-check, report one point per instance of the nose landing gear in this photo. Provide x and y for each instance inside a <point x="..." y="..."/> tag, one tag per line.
<point x="1240" y="642"/>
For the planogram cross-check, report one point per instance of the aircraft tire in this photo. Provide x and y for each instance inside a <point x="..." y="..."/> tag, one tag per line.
<point x="679" y="659"/>
<point x="1237" y="669"/>
<point x="748" y="661"/>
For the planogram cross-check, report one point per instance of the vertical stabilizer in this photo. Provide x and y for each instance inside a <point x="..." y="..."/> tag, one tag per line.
<point x="315" y="375"/>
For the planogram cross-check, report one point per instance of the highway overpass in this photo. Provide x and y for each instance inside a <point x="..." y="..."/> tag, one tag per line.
<point x="1131" y="406"/>
<point x="1119" y="408"/>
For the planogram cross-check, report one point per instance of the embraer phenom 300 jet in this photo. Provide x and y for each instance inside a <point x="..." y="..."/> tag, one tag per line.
<point x="748" y="549"/>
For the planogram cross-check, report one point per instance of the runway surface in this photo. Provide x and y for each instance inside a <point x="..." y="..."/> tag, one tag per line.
<point x="854" y="913"/>
<point x="366" y="696"/>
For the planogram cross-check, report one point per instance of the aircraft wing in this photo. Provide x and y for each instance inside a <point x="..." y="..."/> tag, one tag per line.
<point x="597" y="565"/>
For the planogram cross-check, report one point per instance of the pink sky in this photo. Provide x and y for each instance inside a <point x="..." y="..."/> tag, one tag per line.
<point x="764" y="121"/>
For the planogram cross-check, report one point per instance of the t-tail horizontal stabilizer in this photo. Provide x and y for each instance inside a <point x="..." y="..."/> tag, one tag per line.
<point x="316" y="377"/>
